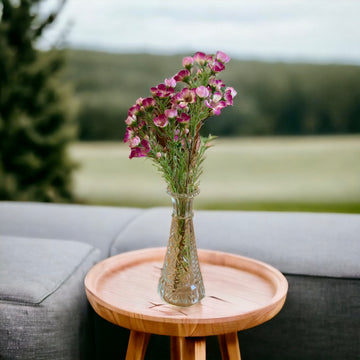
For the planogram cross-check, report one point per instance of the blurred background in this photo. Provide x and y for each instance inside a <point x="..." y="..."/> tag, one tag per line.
<point x="69" y="71"/>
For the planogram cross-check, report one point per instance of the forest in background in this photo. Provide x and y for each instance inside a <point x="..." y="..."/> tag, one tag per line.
<point x="273" y="98"/>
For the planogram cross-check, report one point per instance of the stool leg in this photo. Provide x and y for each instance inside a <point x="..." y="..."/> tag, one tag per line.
<point x="137" y="345"/>
<point x="175" y="348"/>
<point x="229" y="346"/>
<point x="193" y="348"/>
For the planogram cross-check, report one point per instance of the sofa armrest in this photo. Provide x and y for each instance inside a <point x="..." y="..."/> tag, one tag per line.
<point x="44" y="313"/>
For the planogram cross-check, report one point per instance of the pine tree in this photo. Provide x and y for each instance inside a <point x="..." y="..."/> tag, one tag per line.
<point x="35" y="124"/>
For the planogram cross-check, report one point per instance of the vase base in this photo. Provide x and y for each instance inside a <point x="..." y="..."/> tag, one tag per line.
<point x="184" y="296"/>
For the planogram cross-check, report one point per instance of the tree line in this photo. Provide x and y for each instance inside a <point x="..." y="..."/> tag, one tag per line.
<point x="273" y="98"/>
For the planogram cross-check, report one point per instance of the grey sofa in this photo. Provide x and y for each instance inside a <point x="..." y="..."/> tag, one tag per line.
<point x="47" y="249"/>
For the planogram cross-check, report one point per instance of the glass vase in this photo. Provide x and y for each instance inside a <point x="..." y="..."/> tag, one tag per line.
<point x="181" y="281"/>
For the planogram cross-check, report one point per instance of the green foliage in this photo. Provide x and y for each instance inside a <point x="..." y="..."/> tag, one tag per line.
<point x="299" y="99"/>
<point x="273" y="98"/>
<point x="35" y="124"/>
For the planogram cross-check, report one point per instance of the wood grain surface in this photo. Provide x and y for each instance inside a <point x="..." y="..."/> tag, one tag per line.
<point x="240" y="293"/>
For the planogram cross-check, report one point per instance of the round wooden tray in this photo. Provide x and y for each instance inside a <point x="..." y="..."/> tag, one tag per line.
<point x="240" y="293"/>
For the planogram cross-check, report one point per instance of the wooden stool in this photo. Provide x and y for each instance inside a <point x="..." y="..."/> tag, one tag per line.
<point x="240" y="293"/>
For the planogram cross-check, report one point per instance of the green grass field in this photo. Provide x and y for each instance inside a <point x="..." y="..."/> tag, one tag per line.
<point x="283" y="173"/>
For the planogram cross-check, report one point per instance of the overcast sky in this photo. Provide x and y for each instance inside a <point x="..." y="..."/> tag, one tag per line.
<point x="288" y="30"/>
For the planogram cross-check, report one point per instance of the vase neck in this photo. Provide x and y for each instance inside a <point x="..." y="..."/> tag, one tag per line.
<point x="183" y="204"/>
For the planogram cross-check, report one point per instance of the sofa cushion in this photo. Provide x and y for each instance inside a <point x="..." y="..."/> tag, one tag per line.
<point x="95" y="225"/>
<point x="32" y="269"/>
<point x="320" y="320"/>
<point x="295" y="243"/>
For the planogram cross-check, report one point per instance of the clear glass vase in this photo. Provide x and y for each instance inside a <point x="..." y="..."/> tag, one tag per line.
<point x="181" y="281"/>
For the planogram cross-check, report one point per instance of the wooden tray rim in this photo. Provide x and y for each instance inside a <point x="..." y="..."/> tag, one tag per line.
<point x="134" y="257"/>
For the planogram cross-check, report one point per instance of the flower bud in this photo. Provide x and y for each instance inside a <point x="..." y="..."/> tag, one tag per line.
<point x="187" y="62"/>
<point x="222" y="57"/>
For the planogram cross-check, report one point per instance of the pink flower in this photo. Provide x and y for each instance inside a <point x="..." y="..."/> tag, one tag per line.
<point x="222" y="57"/>
<point x="141" y="150"/>
<point x="162" y="91"/>
<point x="146" y="145"/>
<point x="217" y="97"/>
<point x="183" y="118"/>
<point x="158" y="155"/>
<point x="216" y="107"/>
<point x="128" y="135"/>
<point x="217" y="66"/>
<point x="230" y="93"/>
<point x="131" y="138"/>
<point x="161" y="120"/>
<point x="217" y="84"/>
<point x="170" y="82"/>
<point x="148" y="102"/>
<point x="136" y="152"/>
<point x="134" y="110"/>
<point x="202" y="92"/>
<point x="187" y="62"/>
<point x="135" y="141"/>
<point x="171" y="113"/>
<point x="182" y="75"/>
<point x="154" y="90"/>
<point x="139" y="101"/>
<point x="228" y="98"/>
<point x="186" y="96"/>
<point x="130" y="120"/>
<point x="231" y="90"/>
<point x="200" y="58"/>
<point x="216" y="104"/>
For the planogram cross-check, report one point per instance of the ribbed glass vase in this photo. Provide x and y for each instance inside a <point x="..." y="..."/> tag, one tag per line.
<point x="181" y="281"/>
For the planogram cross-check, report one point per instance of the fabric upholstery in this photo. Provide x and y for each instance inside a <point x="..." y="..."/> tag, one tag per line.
<point x="320" y="321"/>
<point x="295" y="243"/>
<point x="33" y="269"/>
<point x="318" y="253"/>
<point x="94" y="225"/>
<point x="44" y="314"/>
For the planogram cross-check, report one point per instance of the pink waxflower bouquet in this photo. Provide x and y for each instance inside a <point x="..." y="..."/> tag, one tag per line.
<point x="166" y="127"/>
